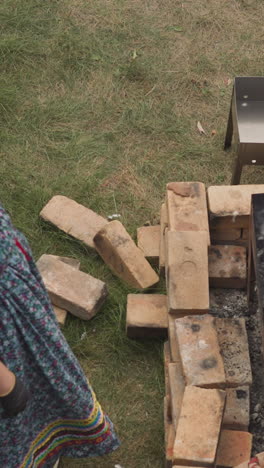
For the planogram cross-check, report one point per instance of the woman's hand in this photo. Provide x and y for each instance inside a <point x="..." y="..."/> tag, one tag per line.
<point x="13" y="393"/>
<point x="16" y="401"/>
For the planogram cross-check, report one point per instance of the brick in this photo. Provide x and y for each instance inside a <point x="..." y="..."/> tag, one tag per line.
<point x="147" y="316"/>
<point x="245" y="234"/>
<point x="229" y="206"/>
<point x="169" y="432"/>
<point x="236" y="415"/>
<point x="73" y="218"/>
<point x="233" y="342"/>
<point x="243" y="465"/>
<point x="177" y="386"/>
<point x="61" y="315"/>
<point x="70" y="261"/>
<point x="187" y="207"/>
<point x="234" y="448"/>
<point x="125" y="259"/>
<point x="166" y="235"/>
<point x="227" y="266"/>
<point x="148" y="240"/>
<point x="199" y="350"/>
<point x="167" y="360"/>
<point x="163" y="227"/>
<point x="174" y="345"/>
<point x="167" y="411"/>
<point x="231" y="235"/>
<point x="70" y="289"/>
<point x="260" y="457"/>
<point x="171" y="439"/>
<point x="187" y="271"/>
<point x="199" y="427"/>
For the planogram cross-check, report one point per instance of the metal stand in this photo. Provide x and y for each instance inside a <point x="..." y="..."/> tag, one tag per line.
<point x="246" y="123"/>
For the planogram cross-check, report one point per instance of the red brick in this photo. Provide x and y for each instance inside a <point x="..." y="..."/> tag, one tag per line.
<point x="147" y="315"/>
<point x="199" y="350"/>
<point x="73" y="218"/>
<point x="187" y="207"/>
<point x="199" y="427"/>
<point x="187" y="272"/>
<point x="234" y="448"/>
<point x="148" y="240"/>
<point x="125" y="259"/>
<point x="233" y="342"/>
<point x="227" y="266"/>
<point x="177" y="386"/>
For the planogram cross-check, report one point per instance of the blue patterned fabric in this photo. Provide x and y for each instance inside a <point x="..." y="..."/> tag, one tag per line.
<point x="63" y="417"/>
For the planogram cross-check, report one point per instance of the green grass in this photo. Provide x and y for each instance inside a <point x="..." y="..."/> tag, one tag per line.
<point x="99" y="101"/>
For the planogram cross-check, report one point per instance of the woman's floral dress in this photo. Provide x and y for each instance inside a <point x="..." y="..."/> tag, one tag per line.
<point x="63" y="417"/>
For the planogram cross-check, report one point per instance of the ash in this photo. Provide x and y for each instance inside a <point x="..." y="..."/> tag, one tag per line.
<point x="233" y="303"/>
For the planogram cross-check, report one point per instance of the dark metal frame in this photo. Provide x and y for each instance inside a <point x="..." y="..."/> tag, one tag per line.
<point x="246" y="123"/>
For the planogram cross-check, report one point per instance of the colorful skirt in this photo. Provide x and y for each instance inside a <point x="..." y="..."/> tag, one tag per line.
<point x="63" y="417"/>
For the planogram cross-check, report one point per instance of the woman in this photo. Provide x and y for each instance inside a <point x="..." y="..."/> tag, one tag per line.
<point x="47" y="407"/>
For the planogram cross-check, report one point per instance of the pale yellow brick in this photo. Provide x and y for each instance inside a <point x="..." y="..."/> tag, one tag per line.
<point x="199" y="427"/>
<point x="148" y="240"/>
<point x="187" y="207"/>
<point x="199" y="350"/>
<point x="233" y="342"/>
<point x="70" y="289"/>
<point x="73" y="218"/>
<point x="125" y="259"/>
<point x="187" y="272"/>
<point x="227" y="266"/>
<point x="147" y="315"/>
<point x="229" y="205"/>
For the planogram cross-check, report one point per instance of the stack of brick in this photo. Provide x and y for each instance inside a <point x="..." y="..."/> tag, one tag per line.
<point x="180" y="245"/>
<point x="185" y="210"/>
<point x="229" y="211"/>
<point x="207" y="365"/>
<point x="207" y="381"/>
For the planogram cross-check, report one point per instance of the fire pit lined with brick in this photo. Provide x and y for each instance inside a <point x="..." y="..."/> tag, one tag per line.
<point x="201" y="241"/>
<point x="203" y="351"/>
